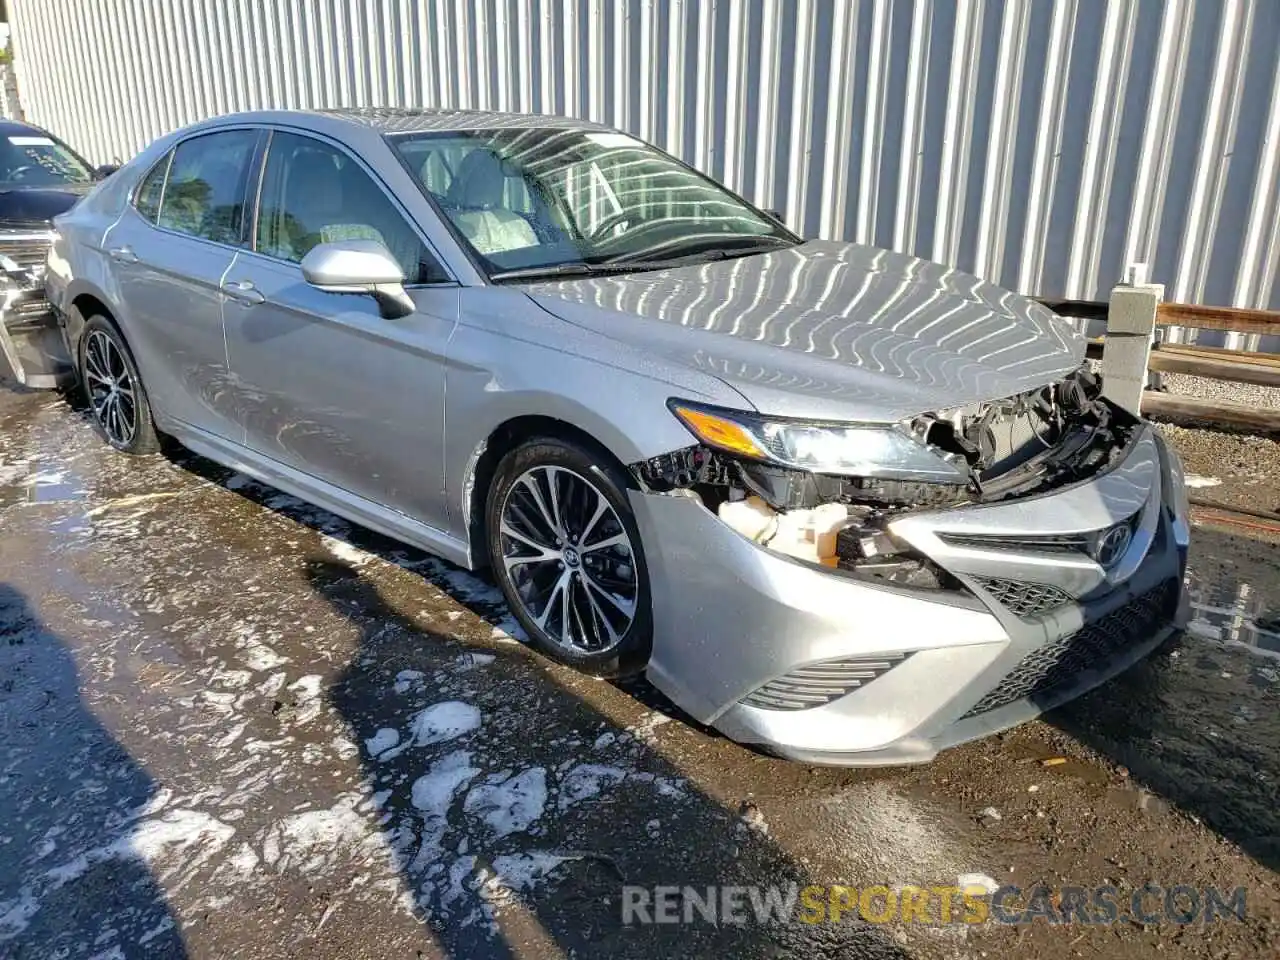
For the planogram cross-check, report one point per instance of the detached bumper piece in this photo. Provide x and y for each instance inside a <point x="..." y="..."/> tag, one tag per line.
<point x="31" y="342"/>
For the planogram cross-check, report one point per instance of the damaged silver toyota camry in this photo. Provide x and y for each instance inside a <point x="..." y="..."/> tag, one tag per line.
<point x="844" y="504"/>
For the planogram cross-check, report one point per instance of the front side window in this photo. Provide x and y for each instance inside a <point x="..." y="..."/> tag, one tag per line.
<point x="37" y="160"/>
<point x="151" y="190"/>
<point x="313" y="193"/>
<point x="524" y="199"/>
<point x="204" y="195"/>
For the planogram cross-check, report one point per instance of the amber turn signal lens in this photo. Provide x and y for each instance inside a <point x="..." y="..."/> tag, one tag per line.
<point x="718" y="432"/>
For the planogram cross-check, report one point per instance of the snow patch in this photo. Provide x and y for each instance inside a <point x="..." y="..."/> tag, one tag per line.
<point x="316" y="840"/>
<point x="382" y="741"/>
<point x="510" y="805"/>
<point x="1195" y="481"/>
<point x="517" y="873"/>
<point x="434" y="790"/>
<point x="351" y="555"/>
<point x="585" y="781"/>
<point x="406" y="680"/>
<point x="443" y="721"/>
<point x="966" y="880"/>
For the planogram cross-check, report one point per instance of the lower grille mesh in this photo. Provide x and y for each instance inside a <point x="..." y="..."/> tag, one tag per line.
<point x="1023" y="599"/>
<point x="816" y="684"/>
<point x="1060" y="661"/>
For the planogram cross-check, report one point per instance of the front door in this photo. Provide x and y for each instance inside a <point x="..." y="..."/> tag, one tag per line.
<point x="324" y="383"/>
<point x="170" y="252"/>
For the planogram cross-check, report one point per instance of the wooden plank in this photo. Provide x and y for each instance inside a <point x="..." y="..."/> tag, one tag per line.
<point x="1216" y="369"/>
<point x="1198" y="412"/>
<point x="1219" y="353"/>
<point x="1266" y="322"/>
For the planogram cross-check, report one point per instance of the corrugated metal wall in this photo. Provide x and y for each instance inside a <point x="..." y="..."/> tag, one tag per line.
<point x="1043" y="144"/>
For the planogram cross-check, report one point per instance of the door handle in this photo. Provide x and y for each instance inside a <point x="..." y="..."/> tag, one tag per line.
<point x="243" y="291"/>
<point x="123" y="255"/>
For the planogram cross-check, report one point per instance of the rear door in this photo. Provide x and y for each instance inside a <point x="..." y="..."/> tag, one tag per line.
<point x="171" y="250"/>
<point x="325" y="383"/>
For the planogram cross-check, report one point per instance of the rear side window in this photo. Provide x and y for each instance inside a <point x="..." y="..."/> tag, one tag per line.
<point x="151" y="190"/>
<point x="205" y="192"/>
<point x="313" y="193"/>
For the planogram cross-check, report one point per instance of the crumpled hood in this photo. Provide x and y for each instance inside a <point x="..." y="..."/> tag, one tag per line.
<point x="830" y="330"/>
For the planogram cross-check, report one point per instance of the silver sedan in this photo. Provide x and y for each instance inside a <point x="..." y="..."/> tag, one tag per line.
<point x="845" y="504"/>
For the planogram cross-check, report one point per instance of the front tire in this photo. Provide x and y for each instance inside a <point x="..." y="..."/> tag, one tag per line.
<point x="118" y="404"/>
<point x="566" y="552"/>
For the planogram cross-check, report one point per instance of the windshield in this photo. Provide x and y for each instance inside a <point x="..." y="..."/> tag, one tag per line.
<point x="526" y="200"/>
<point x="34" y="160"/>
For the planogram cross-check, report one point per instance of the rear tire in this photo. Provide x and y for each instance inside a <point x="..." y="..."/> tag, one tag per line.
<point x="566" y="552"/>
<point x="118" y="405"/>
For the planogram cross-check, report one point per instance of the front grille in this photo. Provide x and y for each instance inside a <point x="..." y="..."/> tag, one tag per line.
<point x="1064" y="543"/>
<point x="27" y="250"/>
<point x="1059" y="662"/>
<point x="816" y="684"/>
<point x="1023" y="599"/>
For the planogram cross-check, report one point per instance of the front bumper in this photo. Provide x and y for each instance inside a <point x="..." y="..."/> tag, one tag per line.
<point x="938" y="667"/>
<point x="32" y="350"/>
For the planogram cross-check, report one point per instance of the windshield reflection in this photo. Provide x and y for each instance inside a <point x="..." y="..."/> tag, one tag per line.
<point x="528" y="201"/>
<point x="36" y="160"/>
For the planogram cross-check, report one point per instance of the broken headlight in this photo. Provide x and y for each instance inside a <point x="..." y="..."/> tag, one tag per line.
<point x="864" y="450"/>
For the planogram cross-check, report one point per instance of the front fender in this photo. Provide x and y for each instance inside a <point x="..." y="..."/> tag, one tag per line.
<point x="518" y="363"/>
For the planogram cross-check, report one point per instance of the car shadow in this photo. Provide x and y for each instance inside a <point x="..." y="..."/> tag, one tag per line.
<point x="1197" y="722"/>
<point x="519" y="811"/>
<point x="474" y="589"/>
<point x="67" y="785"/>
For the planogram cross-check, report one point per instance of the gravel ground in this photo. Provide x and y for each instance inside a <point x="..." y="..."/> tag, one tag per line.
<point x="1206" y="388"/>
<point x="1231" y="468"/>
<point x="234" y="725"/>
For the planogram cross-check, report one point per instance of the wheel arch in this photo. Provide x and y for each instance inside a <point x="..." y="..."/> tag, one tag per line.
<point x="81" y="305"/>
<point x="500" y="441"/>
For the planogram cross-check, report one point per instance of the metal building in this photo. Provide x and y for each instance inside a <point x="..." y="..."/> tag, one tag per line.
<point x="1043" y="144"/>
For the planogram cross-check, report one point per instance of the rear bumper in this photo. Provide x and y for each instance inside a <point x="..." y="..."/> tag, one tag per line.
<point x="731" y="617"/>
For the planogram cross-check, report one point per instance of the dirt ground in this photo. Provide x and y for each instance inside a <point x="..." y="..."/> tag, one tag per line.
<point x="234" y="725"/>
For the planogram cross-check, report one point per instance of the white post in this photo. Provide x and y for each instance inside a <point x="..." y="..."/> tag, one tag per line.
<point x="1131" y="324"/>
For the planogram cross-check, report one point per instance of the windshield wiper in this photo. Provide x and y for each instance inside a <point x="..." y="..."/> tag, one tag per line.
<point x="652" y="261"/>
<point x="576" y="268"/>
<point x="704" y="254"/>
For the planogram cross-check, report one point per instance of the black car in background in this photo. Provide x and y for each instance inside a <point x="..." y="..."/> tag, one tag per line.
<point x="40" y="177"/>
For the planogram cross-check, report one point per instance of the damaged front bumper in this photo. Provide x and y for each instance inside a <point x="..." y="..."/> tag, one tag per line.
<point x="823" y="666"/>
<point x="32" y="347"/>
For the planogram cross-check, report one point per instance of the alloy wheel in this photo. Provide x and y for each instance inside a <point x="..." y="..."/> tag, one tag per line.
<point x="569" y="559"/>
<point x="111" y="389"/>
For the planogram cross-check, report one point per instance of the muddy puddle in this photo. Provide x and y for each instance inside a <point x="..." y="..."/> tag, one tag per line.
<point x="1235" y="611"/>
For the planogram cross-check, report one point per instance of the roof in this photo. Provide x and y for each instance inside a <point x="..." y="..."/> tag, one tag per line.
<point x="405" y="120"/>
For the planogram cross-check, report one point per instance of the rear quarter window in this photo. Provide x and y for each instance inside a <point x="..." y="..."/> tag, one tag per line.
<point x="151" y="190"/>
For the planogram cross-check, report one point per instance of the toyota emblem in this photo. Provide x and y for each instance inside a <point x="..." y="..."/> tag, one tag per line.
<point x="1113" y="544"/>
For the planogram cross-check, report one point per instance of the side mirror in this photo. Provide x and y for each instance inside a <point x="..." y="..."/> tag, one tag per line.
<point x="777" y="215"/>
<point x="104" y="171"/>
<point x="359" y="266"/>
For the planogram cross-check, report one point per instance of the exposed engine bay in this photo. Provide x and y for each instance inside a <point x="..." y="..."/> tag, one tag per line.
<point x="1023" y="445"/>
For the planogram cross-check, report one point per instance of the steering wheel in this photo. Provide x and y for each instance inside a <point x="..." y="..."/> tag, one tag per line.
<point x="610" y="222"/>
<point x="18" y="173"/>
